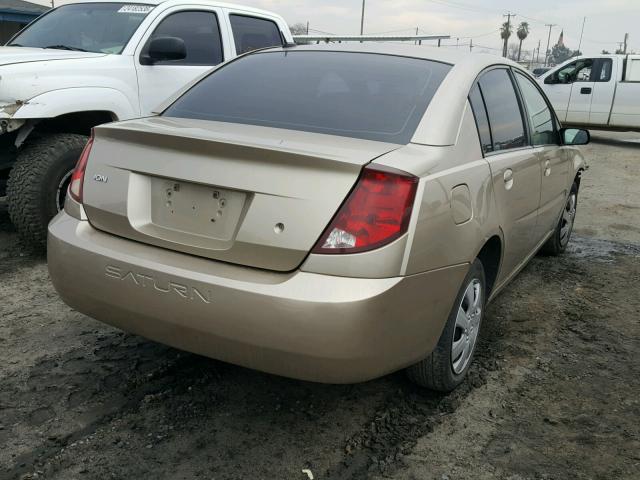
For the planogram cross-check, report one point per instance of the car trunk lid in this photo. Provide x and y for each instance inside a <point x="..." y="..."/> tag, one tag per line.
<point x="243" y="194"/>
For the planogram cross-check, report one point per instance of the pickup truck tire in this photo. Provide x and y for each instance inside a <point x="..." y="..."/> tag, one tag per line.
<point x="558" y="242"/>
<point x="444" y="369"/>
<point x="38" y="181"/>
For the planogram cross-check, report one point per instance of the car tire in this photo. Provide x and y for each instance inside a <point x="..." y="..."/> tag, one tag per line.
<point x="558" y="242"/>
<point x="37" y="183"/>
<point x="443" y="370"/>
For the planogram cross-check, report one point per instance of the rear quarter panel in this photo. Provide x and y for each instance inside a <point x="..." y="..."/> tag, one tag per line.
<point x="626" y="106"/>
<point x="446" y="228"/>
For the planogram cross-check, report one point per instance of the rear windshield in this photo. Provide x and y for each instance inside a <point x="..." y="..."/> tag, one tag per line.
<point x="360" y="95"/>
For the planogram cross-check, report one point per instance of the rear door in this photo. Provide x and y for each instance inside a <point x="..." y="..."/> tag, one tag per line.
<point x="515" y="166"/>
<point x="581" y="91"/>
<point x="555" y="165"/>
<point x="203" y="34"/>
<point x="626" y="104"/>
<point x="603" y="78"/>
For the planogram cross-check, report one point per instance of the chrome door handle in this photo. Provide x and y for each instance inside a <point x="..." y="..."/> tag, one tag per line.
<point x="547" y="168"/>
<point x="508" y="178"/>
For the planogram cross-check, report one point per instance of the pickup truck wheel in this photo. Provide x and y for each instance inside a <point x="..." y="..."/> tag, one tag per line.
<point x="447" y="366"/>
<point x="38" y="183"/>
<point x="558" y="242"/>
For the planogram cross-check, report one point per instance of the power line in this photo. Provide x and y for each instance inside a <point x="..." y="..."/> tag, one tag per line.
<point x="475" y="8"/>
<point x="321" y="31"/>
<point x="492" y="32"/>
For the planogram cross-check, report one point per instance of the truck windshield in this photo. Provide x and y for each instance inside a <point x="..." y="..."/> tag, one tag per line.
<point x="85" y="27"/>
<point x="359" y="95"/>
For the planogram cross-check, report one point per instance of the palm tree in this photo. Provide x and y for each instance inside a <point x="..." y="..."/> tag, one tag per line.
<point x="523" y="32"/>
<point x="505" y="33"/>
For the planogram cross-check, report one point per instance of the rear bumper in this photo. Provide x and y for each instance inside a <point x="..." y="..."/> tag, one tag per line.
<point x="302" y="325"/>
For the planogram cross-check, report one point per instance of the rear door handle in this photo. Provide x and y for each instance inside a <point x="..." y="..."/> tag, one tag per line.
<point x="585" y="90"/>
<point x="547" y="168"/>
<point x="508" y="178"/>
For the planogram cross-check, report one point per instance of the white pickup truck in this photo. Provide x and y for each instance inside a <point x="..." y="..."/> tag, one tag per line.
<point x="600" y="92"/>
<point x="84" y="64"/>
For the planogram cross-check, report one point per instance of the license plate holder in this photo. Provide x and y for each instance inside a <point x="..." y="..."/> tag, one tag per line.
<point x="195" y="209"/>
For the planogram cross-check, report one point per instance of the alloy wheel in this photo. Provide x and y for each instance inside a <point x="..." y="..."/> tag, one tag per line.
<point x="467" y="326"/>
<point x="568" y="218"/>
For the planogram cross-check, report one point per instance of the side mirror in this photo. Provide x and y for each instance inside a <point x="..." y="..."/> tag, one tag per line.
<point x="575" y="136"/>
<point x="550" y="80"/>
<point x="164" y="48"/>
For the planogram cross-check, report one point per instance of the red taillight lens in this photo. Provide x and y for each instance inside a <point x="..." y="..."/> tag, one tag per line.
<point x="77" y="177"/>
<point x="375" y="213"/>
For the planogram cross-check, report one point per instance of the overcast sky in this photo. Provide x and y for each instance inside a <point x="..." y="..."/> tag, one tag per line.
<point x="606" y="23"/>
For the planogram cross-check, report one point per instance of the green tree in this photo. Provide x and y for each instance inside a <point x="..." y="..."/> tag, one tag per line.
<point x="560" y="53"/>
<point x="298" y="29"/>
<point x="505" y="33"/>
<point x="522" y="32"/>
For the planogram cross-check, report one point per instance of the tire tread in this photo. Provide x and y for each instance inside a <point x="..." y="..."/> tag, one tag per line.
<point x="26" y="182"/>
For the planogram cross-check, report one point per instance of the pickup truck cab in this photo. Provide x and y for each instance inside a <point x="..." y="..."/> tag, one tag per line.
<point x="600" y="92"/>
<point x="85" y="64"/>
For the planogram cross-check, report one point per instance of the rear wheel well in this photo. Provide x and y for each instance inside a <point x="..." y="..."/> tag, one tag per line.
<point x="490" y="255"/>
<point x="79" y="123"/>
<point x="578" y="177"/>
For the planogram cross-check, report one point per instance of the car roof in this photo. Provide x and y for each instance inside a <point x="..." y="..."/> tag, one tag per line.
<point x="450" y="101"/>
<point x="427" y="52"/>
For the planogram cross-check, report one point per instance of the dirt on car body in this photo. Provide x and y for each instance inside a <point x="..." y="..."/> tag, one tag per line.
<point x="553" y="392"/>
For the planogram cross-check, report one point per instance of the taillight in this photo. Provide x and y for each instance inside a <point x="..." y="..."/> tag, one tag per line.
<point x="376" y="212"/>
<point x="77" y="177"/>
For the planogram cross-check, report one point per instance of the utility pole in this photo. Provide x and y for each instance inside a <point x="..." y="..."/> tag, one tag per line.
<point x="626" y="40"/>
<point x="471" y="45"/>
<point x="506" y="39"/>
<point x="307" y="27"/>
<point x="362" y="19"/>
<point x="580" y="44"/>
<point x="457" y="42"/>
<point x="546" y="53"/>
<point x="417" y="31"/>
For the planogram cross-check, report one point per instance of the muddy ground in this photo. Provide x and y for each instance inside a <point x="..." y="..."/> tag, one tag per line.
<point x="554" y="392"/>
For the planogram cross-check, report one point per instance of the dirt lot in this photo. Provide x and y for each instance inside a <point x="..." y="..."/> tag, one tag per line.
<point x="554" y="392"/>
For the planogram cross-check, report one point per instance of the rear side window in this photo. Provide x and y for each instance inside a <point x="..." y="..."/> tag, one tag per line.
<point x="633" y="70"/>
<point x="602" y="70"/>
<point x="482" y="122"/>
<point x="359" y="95"/>
<point x="251" y="33"/>
<point x="540" y="116"/>
<point x="201" y="35"/>
<point x="503" y="110"/>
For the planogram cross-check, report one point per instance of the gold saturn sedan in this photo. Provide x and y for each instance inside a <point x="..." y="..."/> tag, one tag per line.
<point x="326" y="213"/>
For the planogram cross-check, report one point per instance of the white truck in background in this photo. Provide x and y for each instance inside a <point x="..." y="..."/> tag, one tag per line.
<point x="601" y="92"/>
<point x="88" y="63"/>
